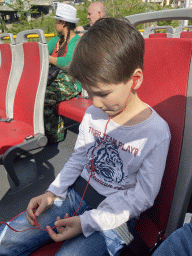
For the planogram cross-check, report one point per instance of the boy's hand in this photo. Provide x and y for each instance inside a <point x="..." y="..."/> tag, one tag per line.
<point x="66" y="228"/>
<point x="38" y="205"/>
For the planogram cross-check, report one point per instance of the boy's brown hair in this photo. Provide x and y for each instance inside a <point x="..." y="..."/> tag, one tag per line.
<point x="108" y="53"/>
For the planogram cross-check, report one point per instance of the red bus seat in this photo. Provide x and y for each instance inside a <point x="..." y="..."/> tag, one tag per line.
<point x="6" y="63"/>
<point x="74" y="108"/>
<point x="166" y="81"/>
<point x="26" y="131"/>
<point x="167" y="88"/>
<point x="186" y="34"/>
<point x="183" y="32"/>
<point x="157" y="35"/>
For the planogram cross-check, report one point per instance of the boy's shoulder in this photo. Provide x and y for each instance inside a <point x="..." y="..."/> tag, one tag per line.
<point x="157" y="126"/>
<point x="155" y="118"/>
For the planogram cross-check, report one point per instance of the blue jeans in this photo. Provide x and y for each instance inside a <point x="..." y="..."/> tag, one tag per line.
<point x="179" y="243"/>
<point x="24" y="243"/>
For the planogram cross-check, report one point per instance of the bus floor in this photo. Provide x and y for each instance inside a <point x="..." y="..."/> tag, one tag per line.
<point x="50" y="161"/>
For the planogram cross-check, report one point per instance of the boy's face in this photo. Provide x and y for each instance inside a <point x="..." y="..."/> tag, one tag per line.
<point x="110" y="98"/>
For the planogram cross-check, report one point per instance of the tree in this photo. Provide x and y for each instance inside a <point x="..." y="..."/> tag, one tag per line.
<point x="22" y="7"/>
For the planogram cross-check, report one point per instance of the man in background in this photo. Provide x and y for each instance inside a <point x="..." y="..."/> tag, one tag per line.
<point x="96" y="11"/>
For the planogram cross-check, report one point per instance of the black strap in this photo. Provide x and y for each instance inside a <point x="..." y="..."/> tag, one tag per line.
<point x="92" y="197"/>
<point x="7" y="120"/>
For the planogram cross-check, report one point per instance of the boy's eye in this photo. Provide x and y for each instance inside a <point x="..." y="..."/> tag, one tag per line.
<point x="104" y="94"/>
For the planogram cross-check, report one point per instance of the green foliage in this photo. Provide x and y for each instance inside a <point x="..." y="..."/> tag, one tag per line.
<point x="121" y="8"/>
<point x="173" y="23"/>
<point x="42" y="18"/>
<point x="2" y="26"/>
<point x="22" y="8"/>
<point x="46" y="24"/>
<point x="82" y="13"/>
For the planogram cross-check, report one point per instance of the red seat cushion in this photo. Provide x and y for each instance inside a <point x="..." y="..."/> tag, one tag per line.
<point x="13" y="133"/>
<point x="74" y="108"/>
<point x="49" y="250"/>
<point x="157" y="35"/>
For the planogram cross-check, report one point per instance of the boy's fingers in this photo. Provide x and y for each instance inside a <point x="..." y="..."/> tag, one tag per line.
<point x="59" y="229"/>
<point x="30" y="220"/>
<point x="61" y="223"/>
<point x="41" y="208"/>
<point x="54" y="236"/>
<point x="66" y="215"/>
<point x="30" y="208"/>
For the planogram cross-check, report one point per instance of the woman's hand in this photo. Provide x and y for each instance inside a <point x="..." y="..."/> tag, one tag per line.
<point x="67" y="228"/>
<point x="38" y="205"/>
<point x="53" y="60"/>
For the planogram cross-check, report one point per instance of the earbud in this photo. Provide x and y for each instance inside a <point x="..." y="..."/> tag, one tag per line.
<point x="135" y="78"/>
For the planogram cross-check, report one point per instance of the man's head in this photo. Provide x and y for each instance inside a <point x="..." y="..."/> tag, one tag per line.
<point x="96" y="11"/>
<point x="109" y="53"/>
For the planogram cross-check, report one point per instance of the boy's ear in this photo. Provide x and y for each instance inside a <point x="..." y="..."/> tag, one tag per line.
<point x="137" y="79"/>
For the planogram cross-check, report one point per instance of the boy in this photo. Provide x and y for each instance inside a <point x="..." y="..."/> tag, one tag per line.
<point x="121" y="151"/>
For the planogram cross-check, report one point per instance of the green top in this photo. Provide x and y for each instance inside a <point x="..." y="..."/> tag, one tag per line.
<point x="63" y="61"/>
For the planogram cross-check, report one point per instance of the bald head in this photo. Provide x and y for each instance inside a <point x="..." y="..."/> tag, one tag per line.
<point x="96" y="11"/>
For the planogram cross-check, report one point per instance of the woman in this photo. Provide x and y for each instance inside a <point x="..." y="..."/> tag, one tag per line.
<point x="61" y="50"/>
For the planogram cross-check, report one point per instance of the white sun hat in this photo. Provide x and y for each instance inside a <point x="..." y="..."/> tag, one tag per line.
<point x="66" y="12"/>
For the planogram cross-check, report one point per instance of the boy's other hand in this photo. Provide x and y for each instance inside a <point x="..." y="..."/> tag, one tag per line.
<point x="38" y="205"/>
<point x="67" y="228"/>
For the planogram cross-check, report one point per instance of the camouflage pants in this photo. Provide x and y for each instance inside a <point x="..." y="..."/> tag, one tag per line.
<point x="61" y="89"/>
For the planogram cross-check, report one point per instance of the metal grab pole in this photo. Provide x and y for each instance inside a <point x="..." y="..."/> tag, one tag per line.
<point x="187" y="5"/>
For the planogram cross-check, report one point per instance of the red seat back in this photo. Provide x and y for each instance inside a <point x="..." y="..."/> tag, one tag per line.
<point x="166" y="71"/>
<point x="25" y="96"/>
<point x="157" y="35"/>
<point x="186" y="34"/>
<point x="5" y="69"/>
